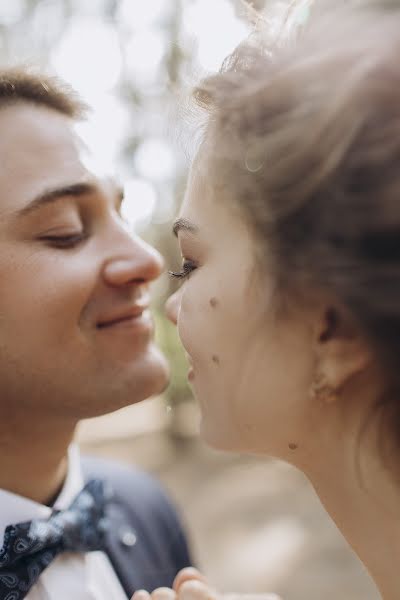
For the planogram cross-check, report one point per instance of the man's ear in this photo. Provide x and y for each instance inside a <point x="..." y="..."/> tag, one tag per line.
<point x="340" y="350"/>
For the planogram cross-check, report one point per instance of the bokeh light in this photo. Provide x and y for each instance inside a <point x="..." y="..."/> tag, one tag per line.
<point x="139" y="201"/>
<point x="105" y="130"/>
<point x="89" y="56"/>
<point x="154" y="159"/>
<point x="140" y="15"/>
<point x="216" y="30"/>
<point x="144" y="53"/>
<point x="11" y="12"/>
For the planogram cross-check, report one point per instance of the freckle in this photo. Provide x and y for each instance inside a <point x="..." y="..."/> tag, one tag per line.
<point x="293" y="446"/>
<point x="213" y="302"/>
<point x="215" y="359"/>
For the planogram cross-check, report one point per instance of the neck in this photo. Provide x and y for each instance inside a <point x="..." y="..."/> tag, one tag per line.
<point x="33" y="458"/>
<point x="362" y="496"/>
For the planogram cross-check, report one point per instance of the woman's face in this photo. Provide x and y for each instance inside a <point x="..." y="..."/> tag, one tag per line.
<point x="250" y="370"/>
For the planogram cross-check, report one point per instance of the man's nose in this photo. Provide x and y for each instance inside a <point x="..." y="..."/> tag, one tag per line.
<point x="136" y="262"/>
<point x="172" y="307"/>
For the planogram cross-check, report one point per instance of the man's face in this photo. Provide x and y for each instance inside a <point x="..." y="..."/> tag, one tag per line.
<point x="75" y="332"/>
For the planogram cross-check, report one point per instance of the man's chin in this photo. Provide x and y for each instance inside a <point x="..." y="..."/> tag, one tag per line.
<point x="158" y="380"/>
<point x="127" y="386"/>
<point x="152" y="378"/>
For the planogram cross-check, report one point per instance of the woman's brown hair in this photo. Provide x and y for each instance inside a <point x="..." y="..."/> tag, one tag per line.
<point x="306" y="139"/>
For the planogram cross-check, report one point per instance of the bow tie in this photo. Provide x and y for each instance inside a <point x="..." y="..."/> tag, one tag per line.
<point x="30" y="547"/>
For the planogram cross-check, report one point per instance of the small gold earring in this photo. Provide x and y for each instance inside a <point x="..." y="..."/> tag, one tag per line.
<point x="322" y="390"/>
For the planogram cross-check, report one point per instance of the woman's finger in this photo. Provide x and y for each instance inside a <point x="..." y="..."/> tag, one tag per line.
<point x="251" y="597"/>
<point x="187" y="574"/>
<point x="194" y="589"/>
<point x="141" y="595"/>
<point x="163" y="593"/>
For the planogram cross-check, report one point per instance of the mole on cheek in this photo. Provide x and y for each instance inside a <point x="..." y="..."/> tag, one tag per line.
<point x="213" y="302"/>
<point x="215" y="359"/>
<point x="293" y="446"/>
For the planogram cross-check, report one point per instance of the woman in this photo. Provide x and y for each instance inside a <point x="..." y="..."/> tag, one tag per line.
<point x="289" y="309"/>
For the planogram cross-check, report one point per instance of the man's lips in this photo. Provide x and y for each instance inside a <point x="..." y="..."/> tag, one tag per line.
<point x="125" y="315"/>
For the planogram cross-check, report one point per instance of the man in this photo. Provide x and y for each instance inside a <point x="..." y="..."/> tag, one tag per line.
<point x="75" y="342"/>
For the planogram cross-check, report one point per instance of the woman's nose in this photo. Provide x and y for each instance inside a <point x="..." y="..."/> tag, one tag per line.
<point x="172" y="307"/>
<point x="137" y="262"/>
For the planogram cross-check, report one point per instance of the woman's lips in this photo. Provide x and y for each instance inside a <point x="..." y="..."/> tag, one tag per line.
<point x="190" y="374"/>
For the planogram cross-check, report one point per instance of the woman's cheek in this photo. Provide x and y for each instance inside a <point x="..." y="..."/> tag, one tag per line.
<point x="186" y="326"/>
<point x="193" y="320"/>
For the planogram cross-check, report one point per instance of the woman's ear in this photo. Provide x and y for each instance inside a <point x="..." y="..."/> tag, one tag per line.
<point x="341" y="353"/>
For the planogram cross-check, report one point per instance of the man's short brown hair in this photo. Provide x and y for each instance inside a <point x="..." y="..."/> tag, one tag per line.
<point x="26" y="84"/>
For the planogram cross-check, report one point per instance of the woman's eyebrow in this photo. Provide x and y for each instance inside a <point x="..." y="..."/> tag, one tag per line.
<point x="185" y="225"/>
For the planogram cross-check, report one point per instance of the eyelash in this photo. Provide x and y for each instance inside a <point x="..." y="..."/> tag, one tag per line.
<point x="64" y="241"/>
<point x="187" y="268"/>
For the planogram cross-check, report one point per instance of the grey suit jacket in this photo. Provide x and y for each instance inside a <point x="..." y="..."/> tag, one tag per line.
<point x="146" y="543"/>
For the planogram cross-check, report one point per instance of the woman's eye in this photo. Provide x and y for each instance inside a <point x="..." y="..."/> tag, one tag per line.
<point x="187" y="267"/>
<point x="64" y="241"/>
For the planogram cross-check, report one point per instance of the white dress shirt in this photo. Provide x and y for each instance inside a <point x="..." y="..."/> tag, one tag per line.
<point x="71" y="576"/>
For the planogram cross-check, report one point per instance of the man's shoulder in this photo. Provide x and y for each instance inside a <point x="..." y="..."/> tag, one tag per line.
<point x="94" y="466"/>
<point x="127" y="481"/>
<point x="140" y="505"/>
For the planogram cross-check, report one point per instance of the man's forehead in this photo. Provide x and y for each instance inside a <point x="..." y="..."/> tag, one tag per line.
<point x="40" y="151"/>
<point x="25" y="118"/>
<point x="43" y="159"/>
<point x="31" y="137"/>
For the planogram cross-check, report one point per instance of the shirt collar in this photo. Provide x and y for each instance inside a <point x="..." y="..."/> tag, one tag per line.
<point x="17" y="509"/>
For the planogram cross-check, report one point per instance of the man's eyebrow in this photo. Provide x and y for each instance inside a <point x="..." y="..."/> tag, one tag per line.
<point x="185" y="225"/>
<point x="75" y="190"/>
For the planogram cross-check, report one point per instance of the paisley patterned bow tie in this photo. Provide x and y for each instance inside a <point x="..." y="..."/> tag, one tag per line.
<point x="30" y="547"/>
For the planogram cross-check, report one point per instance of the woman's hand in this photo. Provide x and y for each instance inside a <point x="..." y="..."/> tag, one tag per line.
<point x="190" y="584"/>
